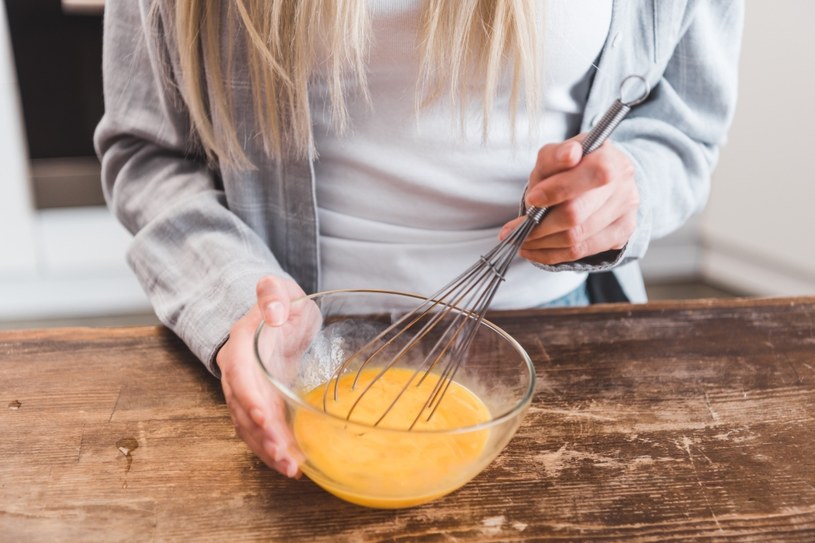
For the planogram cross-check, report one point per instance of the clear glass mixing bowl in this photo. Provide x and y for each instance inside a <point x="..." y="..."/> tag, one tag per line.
<point x="387" y="465"/>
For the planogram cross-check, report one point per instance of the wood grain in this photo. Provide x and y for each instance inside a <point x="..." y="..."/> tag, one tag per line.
<point x="685" y="421"/>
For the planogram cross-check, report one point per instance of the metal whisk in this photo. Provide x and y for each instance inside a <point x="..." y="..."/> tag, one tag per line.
<point x="463" y="302"/>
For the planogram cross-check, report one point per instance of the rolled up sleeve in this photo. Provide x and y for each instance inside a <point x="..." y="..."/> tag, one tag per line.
<point x="196" y="260"/>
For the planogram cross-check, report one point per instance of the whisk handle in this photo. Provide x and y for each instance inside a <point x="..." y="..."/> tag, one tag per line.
<point x="605" y="126"/>
<point x="600" y="132"/>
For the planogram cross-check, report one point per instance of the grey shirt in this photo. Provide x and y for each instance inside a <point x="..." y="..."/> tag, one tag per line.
<point x="202" y="237"/>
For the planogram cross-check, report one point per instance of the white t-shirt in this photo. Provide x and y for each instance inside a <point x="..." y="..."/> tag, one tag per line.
<point x="405" y="201"/>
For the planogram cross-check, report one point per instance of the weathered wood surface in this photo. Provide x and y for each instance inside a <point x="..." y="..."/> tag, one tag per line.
<point x="690" y="421"/>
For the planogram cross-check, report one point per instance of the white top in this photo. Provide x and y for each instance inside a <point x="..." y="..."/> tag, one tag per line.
<point x="405" y="201"/>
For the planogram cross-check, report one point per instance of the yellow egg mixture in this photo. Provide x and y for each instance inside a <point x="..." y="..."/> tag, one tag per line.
<point x="382" y="467"/>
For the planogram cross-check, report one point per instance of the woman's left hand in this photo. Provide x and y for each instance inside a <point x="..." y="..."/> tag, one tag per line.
<point x="593" y="201"/>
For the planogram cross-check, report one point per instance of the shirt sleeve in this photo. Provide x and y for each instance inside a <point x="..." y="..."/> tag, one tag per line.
<point x="673" y="138"/>
<point x="196" y="260"/>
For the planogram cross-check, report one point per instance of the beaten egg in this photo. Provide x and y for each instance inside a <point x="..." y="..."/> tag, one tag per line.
<point x="389" y="466"/>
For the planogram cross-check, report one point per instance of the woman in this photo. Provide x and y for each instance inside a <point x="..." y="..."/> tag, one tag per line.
<point x="260" y="149"/>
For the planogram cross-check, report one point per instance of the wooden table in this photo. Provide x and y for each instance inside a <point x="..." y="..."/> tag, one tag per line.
<point x="662" y="422"/>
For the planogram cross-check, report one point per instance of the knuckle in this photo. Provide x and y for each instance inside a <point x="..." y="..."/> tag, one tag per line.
<point x="572" y="213"/>
<point x="227" y="372"/>
<point x="629" y="224"/>
<point x="603" y="173"/>
<point x="533" y="197"/>
<point x="575" y="252"/>
<point x="628" y="170"/>
<point x="575" y="235"/>
<point x="545" y="152"/>
<point x="537" y="255"/>
<point x="554" y="195"/>
<point x="543" y="197"/>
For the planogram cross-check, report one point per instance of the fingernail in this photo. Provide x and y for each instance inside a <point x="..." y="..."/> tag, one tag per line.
<point x="275" y="314"/>
<point x="257" y="416"/>
<point x="291" y="468"/>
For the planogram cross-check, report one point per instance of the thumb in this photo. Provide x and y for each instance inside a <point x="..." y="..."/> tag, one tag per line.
<point x="273" y="300"/>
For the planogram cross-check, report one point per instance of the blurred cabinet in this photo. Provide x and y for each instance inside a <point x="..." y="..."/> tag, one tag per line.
<point x="54" y="261"/>
<point x="57" y="60"/>
<point x="83" y="6"/>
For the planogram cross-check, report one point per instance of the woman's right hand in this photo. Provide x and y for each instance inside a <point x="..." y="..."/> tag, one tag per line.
<point x="256" y="409"/>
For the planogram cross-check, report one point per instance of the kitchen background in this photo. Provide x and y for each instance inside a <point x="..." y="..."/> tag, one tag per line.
<point x="62" y="253"/>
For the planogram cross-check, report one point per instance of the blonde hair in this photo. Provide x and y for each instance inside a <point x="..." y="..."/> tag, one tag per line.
<point x="460" y="42"/>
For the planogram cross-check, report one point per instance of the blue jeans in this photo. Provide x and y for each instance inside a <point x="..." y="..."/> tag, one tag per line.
<point x="577" y="297"/>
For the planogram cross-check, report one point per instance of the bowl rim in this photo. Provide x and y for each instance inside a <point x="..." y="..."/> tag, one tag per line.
<point x="517" y="409"/>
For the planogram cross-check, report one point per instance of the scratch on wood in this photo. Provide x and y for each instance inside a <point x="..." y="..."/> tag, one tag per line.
<point x="787" y="514"/>
<point x="811" y="324"/>
<point x="798" y="379"/>
<point x="542" y="384"/>
<point x="81" y="442"/>
<point x="742" y="434"/>
<point x="556" y="462"/>
<point x="115" y="404"/>
<point x="686" y="443"/>
<point x="576" y="413"/>
<point x="543" y="350"/>
<point x="552" y="462"/>
<point x="713" y="414"/>
<point x="493" y="525"/>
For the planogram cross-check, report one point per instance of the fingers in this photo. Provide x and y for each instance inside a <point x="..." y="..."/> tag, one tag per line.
<point x="597" y="169"/>
<point x="574" y="220"/>
<point x="250" y="427"/>
<point x="614" y="236"/>
<point x="598" y="221"/>
<point x="564" y="185"/>
<point x="510" y="226"/>
<point x="592" y="208"/>
<point x="273" y="300"/>
<point x="554" y="158"/>
<point x="256" y="410"/>
<point x="274" y="296"/>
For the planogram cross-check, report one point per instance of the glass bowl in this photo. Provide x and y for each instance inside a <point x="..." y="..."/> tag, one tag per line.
<point x="415" y="453"/>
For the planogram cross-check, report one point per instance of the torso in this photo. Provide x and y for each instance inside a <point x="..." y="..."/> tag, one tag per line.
<point x="407" y="201"/>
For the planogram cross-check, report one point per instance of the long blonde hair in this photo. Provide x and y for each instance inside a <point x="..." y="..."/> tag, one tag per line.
<point x="460" y="42"/>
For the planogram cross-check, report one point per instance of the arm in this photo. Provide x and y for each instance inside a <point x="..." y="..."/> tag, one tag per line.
<point x="196" y="260"/>
<point x="674" y="138"/>
<point x="656" y="172"/>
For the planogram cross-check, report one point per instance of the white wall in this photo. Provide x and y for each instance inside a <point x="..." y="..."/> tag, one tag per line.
<point x="55" y="263"/>
<point x="758" y="231"/>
